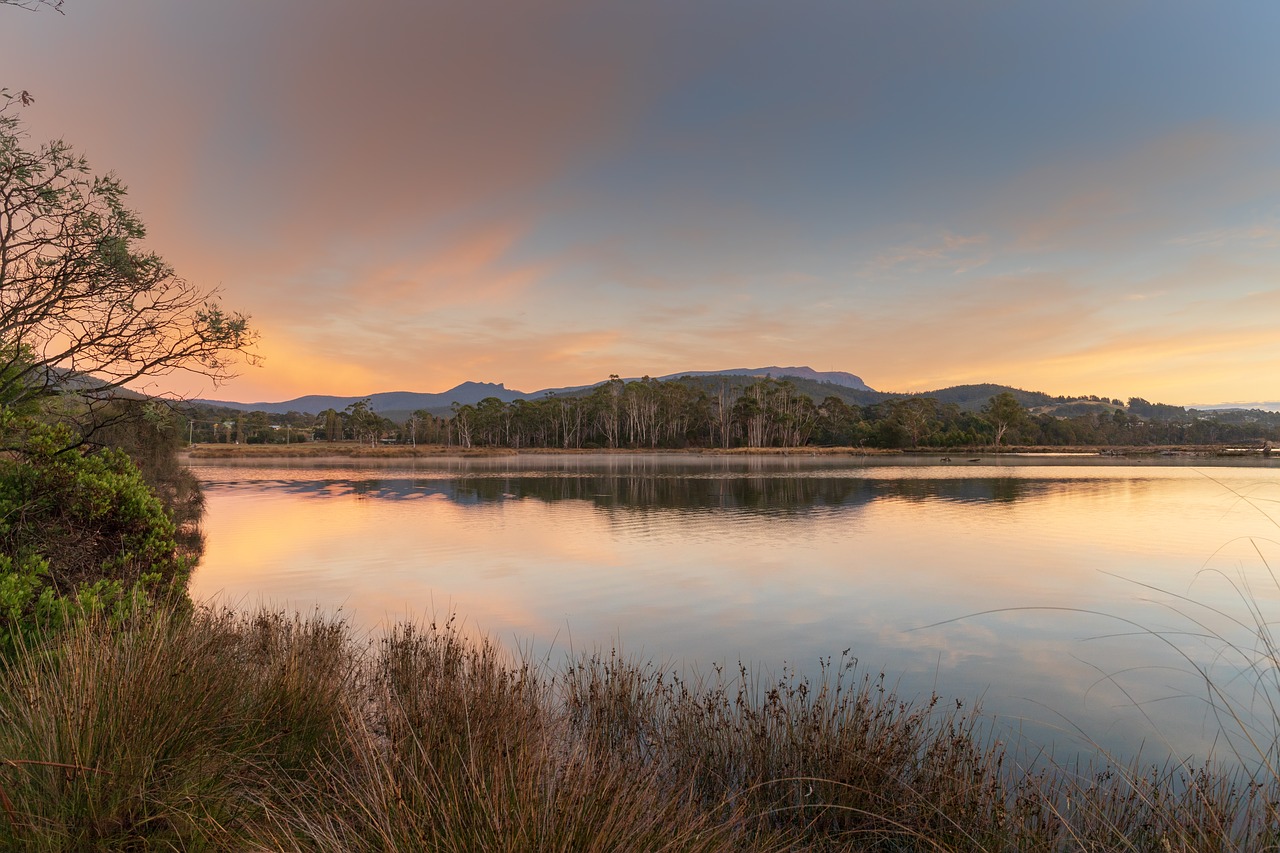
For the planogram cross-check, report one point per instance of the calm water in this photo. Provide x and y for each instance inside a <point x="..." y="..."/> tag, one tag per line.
<point x="1069" y="598"/>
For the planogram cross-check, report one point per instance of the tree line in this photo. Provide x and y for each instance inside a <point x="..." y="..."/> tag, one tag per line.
<point x="769" y="412"/>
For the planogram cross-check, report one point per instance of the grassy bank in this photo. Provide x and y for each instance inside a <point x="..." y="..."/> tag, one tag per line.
<point x="212" y="730"/>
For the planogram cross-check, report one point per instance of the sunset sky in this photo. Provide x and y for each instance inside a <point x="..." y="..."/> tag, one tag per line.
<point x="1072" y="197"/>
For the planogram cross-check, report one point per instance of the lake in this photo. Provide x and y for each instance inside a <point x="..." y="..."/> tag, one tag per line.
<point x="1077" y="599"/>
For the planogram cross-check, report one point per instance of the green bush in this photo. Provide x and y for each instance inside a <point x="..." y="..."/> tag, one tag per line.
<point x="152" y="433"/>
<point x="80" y="533"/>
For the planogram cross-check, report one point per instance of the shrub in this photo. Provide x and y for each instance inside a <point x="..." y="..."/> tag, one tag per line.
<point x="80" y="533"/>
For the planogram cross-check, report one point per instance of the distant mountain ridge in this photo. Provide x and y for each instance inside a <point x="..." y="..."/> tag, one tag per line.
<point x="816" y="384"/>
<point x="835" y="377"/>
<point x="1220" y="407"/>
<point x="386" y="401"/>
<point x="469" y="393"/>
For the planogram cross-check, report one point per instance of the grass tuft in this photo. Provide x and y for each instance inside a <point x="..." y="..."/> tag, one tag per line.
<point x="213" y="730"/>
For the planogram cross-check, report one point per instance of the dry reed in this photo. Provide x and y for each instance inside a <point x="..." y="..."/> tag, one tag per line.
<point x="210" y="730"/>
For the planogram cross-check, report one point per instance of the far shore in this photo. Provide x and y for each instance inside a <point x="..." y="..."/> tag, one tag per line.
<point x="353" y="450"/>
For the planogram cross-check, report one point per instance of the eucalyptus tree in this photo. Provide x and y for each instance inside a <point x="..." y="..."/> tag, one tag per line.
<point x="641" y="403"/>
<point x="363" y="422"/>
<point x="1003" y="412"/>
<point x="491" y="422"/>
<point x="85" y="310"/>
<point x="770" y="412"/>
<point x="570" y="419"/>
<point x="463" y="415"/>
<point x="751" y="415"/>
<point x="424" y="427"/>
<point x="531" y="423"/>
<point x="796" y="415"/>
<point x="606" y="405"/>
<point x="722" y="415"/>
<point x="837" y="422"/>
<point x="686" y="415"/>
<point x="915" y="418"/>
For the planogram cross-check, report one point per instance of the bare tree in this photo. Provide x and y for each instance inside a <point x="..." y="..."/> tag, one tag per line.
<point x="83" y="308"/>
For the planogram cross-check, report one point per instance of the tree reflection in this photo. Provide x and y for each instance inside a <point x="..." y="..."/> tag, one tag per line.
<point x="655" y="488"/>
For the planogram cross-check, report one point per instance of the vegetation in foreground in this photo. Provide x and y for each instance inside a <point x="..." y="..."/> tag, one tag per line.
<point x="203" y="729"/>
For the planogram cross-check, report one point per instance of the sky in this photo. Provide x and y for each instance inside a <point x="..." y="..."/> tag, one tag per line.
<point x="1072" y="197"/>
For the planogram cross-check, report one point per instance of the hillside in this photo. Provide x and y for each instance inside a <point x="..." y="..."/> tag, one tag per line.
<point x="971" y="398"/>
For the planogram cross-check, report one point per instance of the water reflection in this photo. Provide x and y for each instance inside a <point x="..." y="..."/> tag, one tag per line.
<point x="695" y="561"/>
<point x="792" y="493"/>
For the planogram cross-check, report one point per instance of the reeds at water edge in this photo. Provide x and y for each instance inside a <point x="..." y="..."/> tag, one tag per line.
<point x="202" y="728"/>
<point x="208" y="729"/>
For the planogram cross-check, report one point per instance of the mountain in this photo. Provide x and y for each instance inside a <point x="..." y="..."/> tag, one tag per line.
<point x="393" y="403"/>
<point x="382" y="403"/>
<point x="835" y="377"/>
<point x="1220" y="407"/>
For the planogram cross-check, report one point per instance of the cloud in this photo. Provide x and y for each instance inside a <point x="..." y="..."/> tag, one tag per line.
<point x="404" y="192"/>
<point x="292" y="367"/>
<point x="954" y="253"/>
<point x="1260" y="235"/>
<point x="466" y="267"/>
<point x="305" y="127"/>
<point x="1123" y="198"/>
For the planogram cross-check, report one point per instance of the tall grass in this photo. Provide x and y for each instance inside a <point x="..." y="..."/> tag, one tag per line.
<point x="211" y="730"/>
<point x="165" y="729"/>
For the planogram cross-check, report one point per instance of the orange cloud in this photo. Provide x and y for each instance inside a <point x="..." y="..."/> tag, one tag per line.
<point x="287" y="365"/>
<point x="472" y="269"/>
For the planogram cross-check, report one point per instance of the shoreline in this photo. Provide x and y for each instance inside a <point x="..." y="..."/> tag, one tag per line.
<point x="352" y="450"/>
